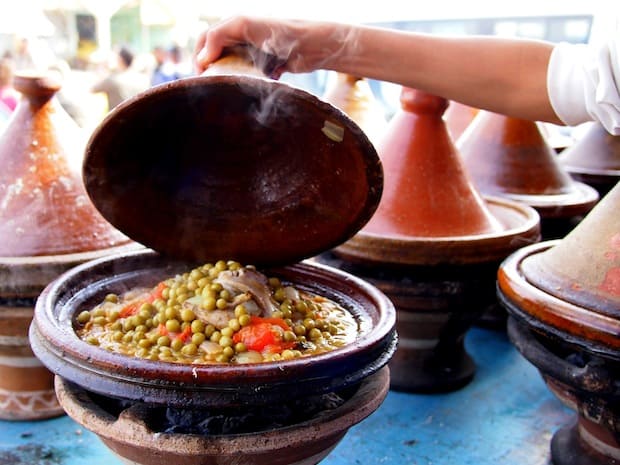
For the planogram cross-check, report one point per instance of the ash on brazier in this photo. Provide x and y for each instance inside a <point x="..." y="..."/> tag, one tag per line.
<point x="433" y="246"/>
<point x="47" y="225"/>
<point x="563" y="298"/>
<point x="240" y="168"/>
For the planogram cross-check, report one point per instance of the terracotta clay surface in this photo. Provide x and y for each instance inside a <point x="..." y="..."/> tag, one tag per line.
<point x="458" y="117"/>
<point x="305" y="443"/>
<point x="594" y="158"/>
<point x="354" y="96"/>
<point x="44" y="209"/>
<point x="510" y="157"/>
<point x="427" y="192"/>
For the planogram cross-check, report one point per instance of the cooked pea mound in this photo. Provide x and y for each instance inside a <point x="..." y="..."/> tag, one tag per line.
<point x="217" y="313"/>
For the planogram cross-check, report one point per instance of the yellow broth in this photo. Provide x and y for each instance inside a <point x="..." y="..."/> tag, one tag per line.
<point x="218" y="313"/>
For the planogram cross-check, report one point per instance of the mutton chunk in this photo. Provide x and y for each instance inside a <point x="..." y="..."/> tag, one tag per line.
<point x="249" y="287"/>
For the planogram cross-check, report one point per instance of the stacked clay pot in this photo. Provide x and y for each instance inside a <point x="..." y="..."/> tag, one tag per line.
<point x="233" y="180"/>
<point x="563" y="297"/>
<point x="433" y="246"/>
<point x="47" y="225"/>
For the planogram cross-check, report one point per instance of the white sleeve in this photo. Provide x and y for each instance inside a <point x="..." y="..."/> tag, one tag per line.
<point x="584" y="83"/>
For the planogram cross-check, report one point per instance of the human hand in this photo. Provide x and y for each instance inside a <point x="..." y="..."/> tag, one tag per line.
<point x="298" y="46"/>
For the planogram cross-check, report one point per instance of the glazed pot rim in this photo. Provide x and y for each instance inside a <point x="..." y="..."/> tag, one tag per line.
<point x="466" y="249"/>
<point x="546" y="312"/>
<point x="56" y="344"/>
<point x="368" y="397"/>
<point x="27" y="276"/>
<point x="579" y="201"/>
<point x="606" y="173"/>
<point x="68" y="258"/>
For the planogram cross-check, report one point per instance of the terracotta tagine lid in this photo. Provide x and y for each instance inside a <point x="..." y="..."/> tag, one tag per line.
<point x="572" y="286"/>
<point x="428" y="197"/>
<point x="510" y="157"/>
<point x="45" y="210"/>
<point x="458" y="117"/>
<point x="260" y="171"/>
<point x="353" y="95"/>
<point x="594" y="158"/>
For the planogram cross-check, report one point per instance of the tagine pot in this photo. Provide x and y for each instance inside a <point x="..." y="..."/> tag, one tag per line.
<point x="458" y="117"/>
<point x="511" y="158"/>
<point x="47" y="225"/>
<point x="236" y="174"/>
<point x="563" y="298"/>
<point x="594" y="159"/>
<point x="353" y="95"/>
<point x="433" y="247"/>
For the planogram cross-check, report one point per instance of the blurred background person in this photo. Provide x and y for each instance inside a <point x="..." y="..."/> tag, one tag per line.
<point x="122" y="81"/>
<point x="159" y="57"/>
<point x="174" y="67"/>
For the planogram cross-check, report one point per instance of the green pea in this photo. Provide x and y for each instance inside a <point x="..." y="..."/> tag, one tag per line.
<point x="113" y="298"/>
<point x="163" y="341"/>
<point x="187" y="314"/>
<point x="189" y="349"/>
<point x="83" y="317"/>
<point x="176" y="344"/>
<point x="173" y="326"/>
<point x="198" y="338"/>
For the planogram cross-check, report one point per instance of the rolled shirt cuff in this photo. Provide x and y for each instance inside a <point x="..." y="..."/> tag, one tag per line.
<point x="583" y="83"/>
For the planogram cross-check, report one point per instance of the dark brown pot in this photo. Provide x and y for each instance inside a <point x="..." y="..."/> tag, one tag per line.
<point x="307" y="443"/>
<point x="564" y="297"/>
<point x="433" y="246"/>
<point x="594" y="159"/>
<point x="47" y="225"/>
<point x="55" y="342"/>
<point x="510" y="157"/>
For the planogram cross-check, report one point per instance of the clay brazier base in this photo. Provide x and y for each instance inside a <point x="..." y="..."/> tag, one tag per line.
<point x="435" y="307"/>
<point x="305" y="443"/>
<point x="26" y="386"/>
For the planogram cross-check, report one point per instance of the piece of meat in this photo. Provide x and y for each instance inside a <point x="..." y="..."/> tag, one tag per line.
<point x="252" y="282"/>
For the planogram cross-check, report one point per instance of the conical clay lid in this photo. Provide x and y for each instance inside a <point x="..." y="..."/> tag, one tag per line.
<point x="584" y="267"/>
<point x="510" y="157"/>
<point x="458" y="117"/>
<point x="427" y="192"/>
<point x="354" y="96"/>
<point x="597" y="152"/>
<point x="44" y="208"/>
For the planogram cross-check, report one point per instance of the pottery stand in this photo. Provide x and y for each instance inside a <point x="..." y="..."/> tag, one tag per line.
<point x="433" y="246"/>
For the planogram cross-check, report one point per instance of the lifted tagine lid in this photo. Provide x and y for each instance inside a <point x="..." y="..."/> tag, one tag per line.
<point x="233" y="166"/>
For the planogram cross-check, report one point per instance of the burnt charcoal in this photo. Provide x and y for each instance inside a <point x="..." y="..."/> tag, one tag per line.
<point x="240" y="420"/>
<point x="247" y="419"/>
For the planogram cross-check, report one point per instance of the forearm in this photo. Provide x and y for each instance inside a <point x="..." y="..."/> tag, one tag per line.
<point x="505" y="76"/>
